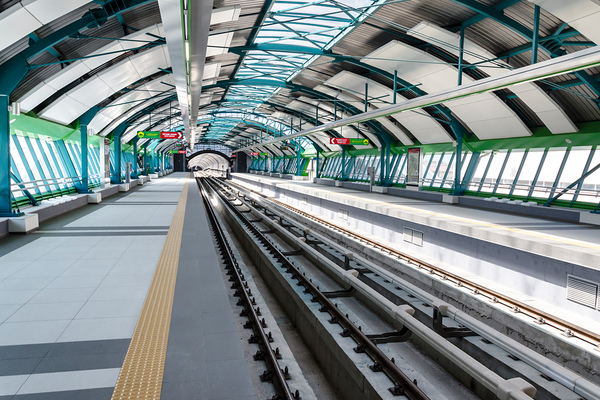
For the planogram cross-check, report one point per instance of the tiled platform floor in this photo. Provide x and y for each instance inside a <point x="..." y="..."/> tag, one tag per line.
<point x="71" y="293"/>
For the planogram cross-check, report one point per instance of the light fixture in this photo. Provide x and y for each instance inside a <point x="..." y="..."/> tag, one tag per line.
<point x="16" y="108"/>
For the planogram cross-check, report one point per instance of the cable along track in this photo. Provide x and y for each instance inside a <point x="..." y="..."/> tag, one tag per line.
<point x="548" y="370"/>
<point x="486" y="380"/>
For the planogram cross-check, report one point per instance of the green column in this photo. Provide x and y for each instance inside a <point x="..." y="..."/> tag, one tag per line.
<point x="5" y="198"/>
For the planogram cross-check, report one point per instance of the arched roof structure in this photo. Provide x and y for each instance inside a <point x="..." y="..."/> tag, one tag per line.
<point x="140" y="62"/>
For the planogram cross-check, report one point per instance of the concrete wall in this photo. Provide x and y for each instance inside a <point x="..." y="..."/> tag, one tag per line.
<point x="531" y="274"/>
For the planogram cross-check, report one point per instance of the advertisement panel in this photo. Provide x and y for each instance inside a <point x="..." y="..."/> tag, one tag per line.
<point x="413" y="167"/>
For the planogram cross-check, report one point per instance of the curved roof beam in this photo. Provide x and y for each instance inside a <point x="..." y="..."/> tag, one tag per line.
<point x="81" y="67"/>
<point x="525" y="32"/>
<point x="14" y="70"/>
<point x="455" y="125"/>
<point x="374" y="125"/>
<point x="21" y="19"/>
<point x="551" y="114"/>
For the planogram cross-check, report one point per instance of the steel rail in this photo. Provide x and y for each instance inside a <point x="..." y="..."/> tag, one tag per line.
<point x="541" y="317"/>
<point x="231" y="261"/>
<point x="408" y="387"/>
<point x="588" y="336"/>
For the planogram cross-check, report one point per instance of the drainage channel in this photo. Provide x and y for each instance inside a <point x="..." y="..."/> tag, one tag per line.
<point x="496" y="353"/>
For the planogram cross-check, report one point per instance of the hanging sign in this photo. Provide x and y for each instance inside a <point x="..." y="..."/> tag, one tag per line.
<point x="171" y="135"/>
<point x="160" y="135"/>
<point x="348" y="141"/>
<point x="413" y="167"/>
<point x="263" y="154"/>
<point x="254" y="153"/>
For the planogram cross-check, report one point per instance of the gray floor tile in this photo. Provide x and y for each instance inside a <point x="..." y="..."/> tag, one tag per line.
<point x="12" y="333"/>
<point x="72" y="380"/>
<point x="10" y="385"/>
<point x="75" y="282"/>
<point x="133" y="292"/>
<point x="7" y="310"/>
<point x="213" y="322"/>
<point x="110" y="309"/>
<point x="90" y="394"/>
<point x="99" y="329"/>
<point x="46" y="312"/>
<point x="24" y="351"/>
<point x="16" y="296"/>
<point x="80" y="363"/>
<point x="127" y="280"/>
<point x="86" y="271"/>
<point x="229" y="379"/>
<point x="20" y="366"/>
<point x="62" y="295"/>
<point x="223" y="346"/>
<point x="24" y="283"/>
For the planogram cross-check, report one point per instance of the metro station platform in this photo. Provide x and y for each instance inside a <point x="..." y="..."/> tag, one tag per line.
<point x="533" y="257"/>
<point x="89" y="301"/>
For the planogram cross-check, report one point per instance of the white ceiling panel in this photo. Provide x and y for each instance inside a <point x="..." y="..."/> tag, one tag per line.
<point x="36" y="96"/>
<point x="16" y="23"/>
<point x="225" y="14"/>
<point x="120" y="75"/>
<point x="580" y="14"/>
<point x="67" y="75"/>
<point x="47" y="11"/>
<point x="108" y="53"/>
<point x="218" y="43"/>
<point x="418" y="67"/>
<point x="64" y="111"/>
<point x="212" y="70"/>
<point x="149" y="61"/>
<point x="530" y="93"/>
<point x="91" y="92"/>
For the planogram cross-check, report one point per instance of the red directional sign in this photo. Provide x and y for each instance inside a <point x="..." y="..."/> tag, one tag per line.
<point x="347" y="141"/>
<point x="171" y="135"/>
<point x="182" y="151"/>
<point x="254" y="153"/>
<point x="335" y="140"/>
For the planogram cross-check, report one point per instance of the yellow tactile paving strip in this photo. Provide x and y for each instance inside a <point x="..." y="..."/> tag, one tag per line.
<point x="142" y="372"/>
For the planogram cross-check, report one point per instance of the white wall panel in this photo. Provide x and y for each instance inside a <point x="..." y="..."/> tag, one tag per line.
<point x="64" y="110"/>
<point x="47" y="11"/>
<point x="16" y="23"/>
<point x="418" y="67"/>
<point x="583" y="15"/>
<point x="531" y="94"/>
<point x="91" y="92"/>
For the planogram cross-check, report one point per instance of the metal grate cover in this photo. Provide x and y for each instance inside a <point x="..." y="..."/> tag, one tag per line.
<point x="582" y="291"/>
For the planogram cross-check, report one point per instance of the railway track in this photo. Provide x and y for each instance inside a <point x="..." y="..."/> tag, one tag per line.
<point x="271" y="229"/>
<point x="584" y="388"/>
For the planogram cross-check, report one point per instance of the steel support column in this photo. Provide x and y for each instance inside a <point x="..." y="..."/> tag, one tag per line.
<point x="135" y="158"/>
<point x="536" y="35"/>
<point x="84" y="120"/>
<point x="117" y="133"/>
<point x="5" y="194"/>
<point x="458" y="188"/>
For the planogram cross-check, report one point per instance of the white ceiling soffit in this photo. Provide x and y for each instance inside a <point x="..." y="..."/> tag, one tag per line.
<point x="104" y="84"/>
<point x="28" y="15"/>
<point x="225" y="14"/>
<point x="218" y="43"/>
<point x="582" y="15"/>
<point x="551" y="114"/>
<point x="199" y="20"/>
<point x="347" y="132"/>
<point x="380" y="96"/>
<point x="170" y="13"/>
<point x="78" y="68"/>
<point x="138" y="107"/>
<point x="124" y="103"/>
<point x="485" y="114"/>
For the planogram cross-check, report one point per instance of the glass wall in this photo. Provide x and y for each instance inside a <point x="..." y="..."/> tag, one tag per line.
<point x="537" y="174"/>
<point x="43" y="167"/>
